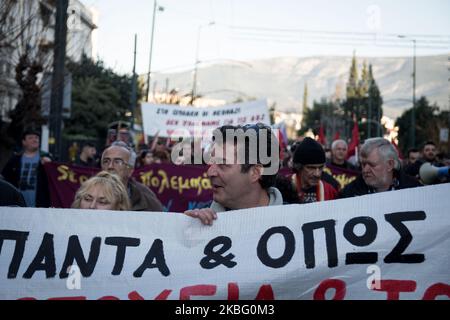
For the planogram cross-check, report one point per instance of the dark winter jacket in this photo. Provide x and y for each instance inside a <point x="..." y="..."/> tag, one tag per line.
<point x="11" y="173"/>
<point x="142" y="198"/>
<point x="359" y="187"/>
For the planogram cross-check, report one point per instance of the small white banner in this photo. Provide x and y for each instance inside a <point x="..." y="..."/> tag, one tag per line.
<point x="392" y="245"/>
<point x="443" y="135"/>
<point x="170" y="120"/>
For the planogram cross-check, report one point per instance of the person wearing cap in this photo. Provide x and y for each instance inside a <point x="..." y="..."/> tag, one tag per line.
<point x="241" y="184"/>
<point x="26" y="172"/>
<point x="308" y="164"/>
<point x="381" y="170"/>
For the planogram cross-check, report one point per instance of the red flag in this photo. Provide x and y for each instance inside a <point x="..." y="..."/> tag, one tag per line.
<point x="282" y="145"/>
<point x="396" y="148"/>
<point x="337" y="136"/>
<point x="354" y="143"/>
<point x="322" y="139"/>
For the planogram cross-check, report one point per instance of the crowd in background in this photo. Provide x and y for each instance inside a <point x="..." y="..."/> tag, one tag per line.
<point x="302" y="177"/>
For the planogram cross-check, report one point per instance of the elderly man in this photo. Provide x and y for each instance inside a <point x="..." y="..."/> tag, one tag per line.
<point x="339" y="150"/>
<point x="120" y="159"/>
<point x="381" y="170"/>
<point x="308" y="179"/>
<point x="239" y="175"/>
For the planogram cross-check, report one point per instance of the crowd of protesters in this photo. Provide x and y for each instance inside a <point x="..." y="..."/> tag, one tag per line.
<point x="303" y="176"/>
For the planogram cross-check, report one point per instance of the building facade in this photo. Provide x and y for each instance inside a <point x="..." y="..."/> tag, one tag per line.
<point x="28" y="26"/>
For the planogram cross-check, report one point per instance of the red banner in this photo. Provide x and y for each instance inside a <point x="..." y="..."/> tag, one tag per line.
<point x="179" y="188"/>
<point x="343" y="176"/>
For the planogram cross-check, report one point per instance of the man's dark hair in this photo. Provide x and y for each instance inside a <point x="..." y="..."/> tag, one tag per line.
<point x="30" y="132"/>
<point x="88" y="144"/>
<point x="410" y="150"/>
<point x="266" y="181"/>
<point x="429" y="142"/>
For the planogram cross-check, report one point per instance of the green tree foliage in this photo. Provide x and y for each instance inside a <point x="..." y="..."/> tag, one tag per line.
<point x="354" y="102"/>
<point x="99" y="96"/>
<point x="370" y="102"/>
<point x="324" y="113"/>
<point x="427" y="118"/>
<point x="363" y="94"/>
<point x="305" y="98"/>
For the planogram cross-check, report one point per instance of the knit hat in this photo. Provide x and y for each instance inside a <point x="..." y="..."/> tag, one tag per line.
<point x="309" y="151"/>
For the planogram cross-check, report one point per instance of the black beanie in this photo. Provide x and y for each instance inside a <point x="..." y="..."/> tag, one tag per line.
<point x="309" y="151"/>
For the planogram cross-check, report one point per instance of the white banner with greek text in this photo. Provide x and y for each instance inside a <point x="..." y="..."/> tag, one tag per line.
<point x="391" y="245"/>
<point x="169" y="120"/>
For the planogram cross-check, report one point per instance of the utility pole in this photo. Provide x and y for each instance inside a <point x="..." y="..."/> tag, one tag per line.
<point x="413" y="111"/>
<point x="133" y="89"/>
<point x="151" y="46"/>
<point x="412" y="132"/>
<point x="57" y="95"/>
<point x="197" y="61"/>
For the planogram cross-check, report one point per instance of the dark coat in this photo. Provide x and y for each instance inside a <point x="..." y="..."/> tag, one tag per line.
<point x="358" y="187"/>
<point x="10" y="196"/>
<point x="11" y="173"/>
<point x="142" y="198"/>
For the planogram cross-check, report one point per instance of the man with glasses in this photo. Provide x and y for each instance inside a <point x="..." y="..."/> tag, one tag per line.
<point x="242" y="169"/>
<point x="381" y="170"/>
<point x="120" y="159"/>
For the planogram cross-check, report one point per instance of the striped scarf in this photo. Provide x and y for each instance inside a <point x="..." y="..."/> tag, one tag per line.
<point x="320" y="190"/>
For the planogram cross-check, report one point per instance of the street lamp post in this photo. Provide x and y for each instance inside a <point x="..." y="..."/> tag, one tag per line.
<point x="133" y="87"/>
<point x="197" y="61"/>
<point x="412" y="135"/>
<point x="151" y="46"/>
<point x="413" y="116"/>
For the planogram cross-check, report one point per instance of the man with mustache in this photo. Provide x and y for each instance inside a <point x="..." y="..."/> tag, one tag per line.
<point x="381" y="170"/>
<point x="308" y="164"/>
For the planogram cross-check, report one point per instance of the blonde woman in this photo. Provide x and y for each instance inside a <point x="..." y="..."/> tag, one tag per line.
<point x="104" y="191"/>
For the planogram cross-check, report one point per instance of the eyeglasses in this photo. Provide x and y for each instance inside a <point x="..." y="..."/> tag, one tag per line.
<point x="117" y="162"/>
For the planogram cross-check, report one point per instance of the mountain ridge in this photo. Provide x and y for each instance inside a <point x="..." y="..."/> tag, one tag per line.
<point x="282" y="79"/>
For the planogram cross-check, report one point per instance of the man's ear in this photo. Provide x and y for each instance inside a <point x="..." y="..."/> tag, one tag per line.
<point x="391" y="165"/>
<point x="256" y="172"/>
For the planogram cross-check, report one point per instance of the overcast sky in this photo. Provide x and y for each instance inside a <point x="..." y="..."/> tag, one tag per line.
<point x="255" y="29"/>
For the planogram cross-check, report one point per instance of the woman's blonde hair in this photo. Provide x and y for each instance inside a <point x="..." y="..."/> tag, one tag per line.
<point x="113" y="189"/>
